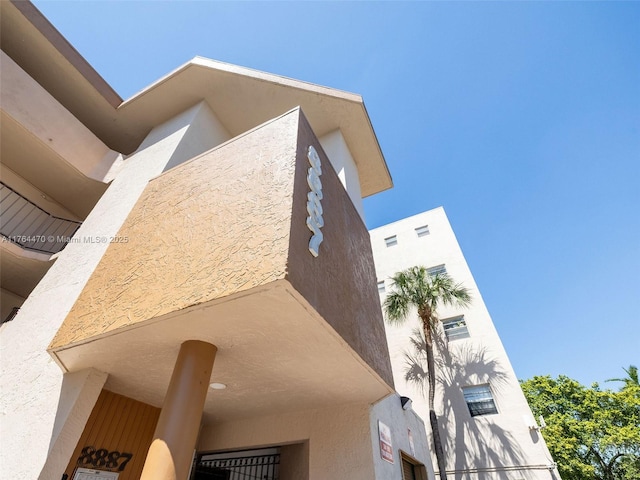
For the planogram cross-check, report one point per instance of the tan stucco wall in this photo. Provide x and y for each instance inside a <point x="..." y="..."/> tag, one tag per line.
<point x="231" y="220"/>
<point x="339" y="439"/>
<point x="212" y="226"/>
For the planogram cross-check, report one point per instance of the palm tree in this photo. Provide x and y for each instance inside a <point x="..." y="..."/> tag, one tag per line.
<point x="416" y="288"/>
<point x="631" y="378"/>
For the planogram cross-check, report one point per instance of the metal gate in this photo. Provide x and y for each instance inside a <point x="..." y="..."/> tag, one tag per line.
<point x="246" y="465"/>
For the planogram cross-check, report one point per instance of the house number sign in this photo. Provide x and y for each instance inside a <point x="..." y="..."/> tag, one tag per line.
<point x="103" y="458"/>
<point x="314" y="207"/>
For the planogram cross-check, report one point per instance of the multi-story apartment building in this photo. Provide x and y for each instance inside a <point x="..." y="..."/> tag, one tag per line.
<point x="486" y="425"/>
<point x="215" y="215"/>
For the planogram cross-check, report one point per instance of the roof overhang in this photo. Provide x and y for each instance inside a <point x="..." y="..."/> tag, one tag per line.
<point x="242" y="98"/>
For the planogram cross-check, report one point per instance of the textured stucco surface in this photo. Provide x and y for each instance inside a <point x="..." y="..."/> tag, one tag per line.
<point x="30" y="404"/>
<point x="340" y="282"/>
<point x="213" y="226"/>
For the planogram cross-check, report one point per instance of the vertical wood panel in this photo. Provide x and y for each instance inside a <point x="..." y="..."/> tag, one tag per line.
<point x="117" y="424"/>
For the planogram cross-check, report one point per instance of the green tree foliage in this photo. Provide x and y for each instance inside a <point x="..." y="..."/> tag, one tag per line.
<point x="593" y="434"/>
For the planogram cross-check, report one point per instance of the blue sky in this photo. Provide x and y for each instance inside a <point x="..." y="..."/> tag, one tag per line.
<point x="522" y="119"/>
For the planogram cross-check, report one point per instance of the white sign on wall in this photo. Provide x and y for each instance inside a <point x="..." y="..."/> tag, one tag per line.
<point x="314" y="208"/>
<point x="87" y="474"/>
<point x="386" y="448"/>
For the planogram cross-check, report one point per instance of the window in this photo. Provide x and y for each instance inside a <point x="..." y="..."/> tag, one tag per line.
<point x="422" y="231"/>
<point x="479" y="400"/>
<point x="433" y="271"/>
<point x="391" y="241"/>
<point x="412" y="469"/>
<point x="455" y="328"/>
<point x="381" y="286"/>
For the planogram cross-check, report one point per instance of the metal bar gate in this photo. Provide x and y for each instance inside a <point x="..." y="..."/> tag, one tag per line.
<point x="235" y="466"/>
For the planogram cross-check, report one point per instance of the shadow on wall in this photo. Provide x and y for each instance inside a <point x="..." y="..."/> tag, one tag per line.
<point x="476" y="445"/>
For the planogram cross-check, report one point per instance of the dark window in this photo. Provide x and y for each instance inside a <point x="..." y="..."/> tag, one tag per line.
<point x="479" y="400"/>
<point x="412" y="469"/>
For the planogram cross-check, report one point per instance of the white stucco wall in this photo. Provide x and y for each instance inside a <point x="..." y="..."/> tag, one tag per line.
<point x="30" y="382"/>
<point x="490" y="441"/>
<point x="390" y="412"/>
<point x="336" y="148"/>
<point x="205" y="132"/>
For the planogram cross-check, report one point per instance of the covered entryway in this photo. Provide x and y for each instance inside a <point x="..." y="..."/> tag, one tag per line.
<point x="261" y="464"/>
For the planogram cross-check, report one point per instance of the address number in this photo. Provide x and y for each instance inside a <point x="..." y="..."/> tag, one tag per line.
<point x="103" y="458"/>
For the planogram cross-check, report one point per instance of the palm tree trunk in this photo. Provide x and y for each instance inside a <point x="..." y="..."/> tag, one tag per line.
<point x="433" y="419"/>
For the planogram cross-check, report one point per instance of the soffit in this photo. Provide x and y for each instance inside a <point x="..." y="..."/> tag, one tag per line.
<point x="275" y="354"/>
<point x="21" y="270"/>
<point x="34" y="161"/>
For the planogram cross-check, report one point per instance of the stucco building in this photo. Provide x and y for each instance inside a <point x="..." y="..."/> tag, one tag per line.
<point x="186" y="275"/>
<point x="486" y="425"/>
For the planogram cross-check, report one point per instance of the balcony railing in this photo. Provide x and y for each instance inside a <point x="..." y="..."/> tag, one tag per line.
<point x="25" y="224"/>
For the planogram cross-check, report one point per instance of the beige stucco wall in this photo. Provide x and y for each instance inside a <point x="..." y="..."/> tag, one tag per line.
<point x="339" y="439"/>
<point x="31" y="404"/>
<point x="45" y="118"/>
<point x="216" y="225"/>
<point x="337" y="443"/>
<point x="231" y="220"/>
<point x="35" y="196"/>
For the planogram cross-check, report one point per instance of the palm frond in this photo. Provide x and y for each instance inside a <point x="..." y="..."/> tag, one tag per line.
<point x="417" y="341"/>
<point x="415" y="372"/>
<point x="415" y="287"/>
<point x="630" y="379"/>
<point x="396" y="308"/>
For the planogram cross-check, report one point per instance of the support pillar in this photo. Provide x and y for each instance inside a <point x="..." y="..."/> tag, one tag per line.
<point x="174" y="440"/>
